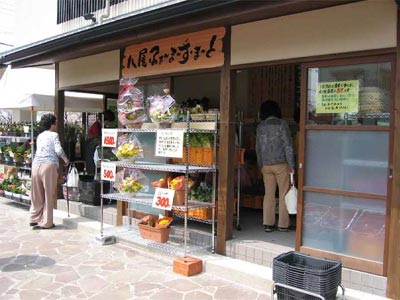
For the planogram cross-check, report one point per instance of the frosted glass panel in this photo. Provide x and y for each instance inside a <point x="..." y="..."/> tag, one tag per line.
<point x="347" y="160"/>
<point x="350" y="226"/>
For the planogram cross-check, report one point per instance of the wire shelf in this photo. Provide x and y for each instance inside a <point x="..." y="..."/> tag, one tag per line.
<point x="147" y="199"/>
<point x="10" y="137"/>
<point x="164" y="167"/>
<point x="174" y="246"/>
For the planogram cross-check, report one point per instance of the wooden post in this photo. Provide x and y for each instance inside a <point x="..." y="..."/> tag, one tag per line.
<point x="59" y="101"/>
<point x="226" y="152"/>
<point x="393" y="259"/>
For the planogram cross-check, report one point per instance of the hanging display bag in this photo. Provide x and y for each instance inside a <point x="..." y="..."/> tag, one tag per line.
<point x="291" y="198"/>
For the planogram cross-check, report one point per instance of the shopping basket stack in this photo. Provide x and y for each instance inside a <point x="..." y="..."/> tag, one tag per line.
<point x="305" y="274"/>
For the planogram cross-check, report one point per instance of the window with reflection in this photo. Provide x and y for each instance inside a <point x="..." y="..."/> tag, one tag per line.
<point x="349" y="95"/>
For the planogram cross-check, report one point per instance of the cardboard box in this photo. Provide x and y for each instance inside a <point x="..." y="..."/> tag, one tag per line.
<point x="188" y="266"/>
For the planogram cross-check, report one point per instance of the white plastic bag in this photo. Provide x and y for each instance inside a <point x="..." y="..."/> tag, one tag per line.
<point x="72" y="177"/>
<point x="291" y="198"/>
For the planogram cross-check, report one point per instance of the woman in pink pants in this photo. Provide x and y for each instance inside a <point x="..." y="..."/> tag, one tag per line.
<point x="45" y="174"/>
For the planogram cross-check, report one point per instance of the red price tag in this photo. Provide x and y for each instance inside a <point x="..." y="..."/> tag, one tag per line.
<point x="108" y="171"/>
<point x="163" y="198"/>
<point x="109" y="138"/>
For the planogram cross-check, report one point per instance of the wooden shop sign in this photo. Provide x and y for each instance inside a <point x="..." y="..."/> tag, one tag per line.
<point x="198" y="50"/>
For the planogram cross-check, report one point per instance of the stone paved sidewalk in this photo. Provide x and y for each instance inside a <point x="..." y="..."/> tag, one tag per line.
<point x="65" y="263"/>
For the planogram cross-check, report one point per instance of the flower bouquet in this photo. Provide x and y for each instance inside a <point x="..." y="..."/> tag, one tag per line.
<point x="131" y="110"/>
<point x="130" y="182"/>
<point x="129" y="148"/>
<point x="163" y="109"/>
<point x="178" y="184"/>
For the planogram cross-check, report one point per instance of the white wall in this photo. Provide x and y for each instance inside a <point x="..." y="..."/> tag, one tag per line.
<point x="354" y="27"/>
<point x="90" y="69"/>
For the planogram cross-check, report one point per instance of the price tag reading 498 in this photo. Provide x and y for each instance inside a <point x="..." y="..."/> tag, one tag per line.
<point x="163" y="198"/>
<point x="108" y="171"/>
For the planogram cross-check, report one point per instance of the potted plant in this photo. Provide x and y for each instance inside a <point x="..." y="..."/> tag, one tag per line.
<point x="72" y="132"/>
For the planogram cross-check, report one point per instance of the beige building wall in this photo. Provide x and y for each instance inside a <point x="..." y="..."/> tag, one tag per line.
<point x="352" y="27"/>
<point x="90" y="69"/>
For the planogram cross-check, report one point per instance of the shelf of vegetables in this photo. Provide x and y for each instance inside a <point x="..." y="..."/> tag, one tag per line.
<point x="136" y="170"/>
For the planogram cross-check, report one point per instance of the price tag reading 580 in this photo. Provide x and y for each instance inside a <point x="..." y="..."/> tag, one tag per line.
<point x="109" y="138"/>
<point x="108" y="171"/>
<point x="163" y="198"/>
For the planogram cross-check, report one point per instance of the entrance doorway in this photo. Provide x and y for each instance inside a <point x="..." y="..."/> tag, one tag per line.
<point x="251" y="87"/>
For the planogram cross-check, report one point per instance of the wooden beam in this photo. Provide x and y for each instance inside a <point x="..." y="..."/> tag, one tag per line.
<point x="59" y="102"/>
<point x="226" y="137"/>
<point x="393" y="258"/>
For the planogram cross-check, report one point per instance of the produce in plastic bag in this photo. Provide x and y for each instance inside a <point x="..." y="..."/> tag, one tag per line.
<point x="163" y="109"/>
<point x="129" y="148"/>
<point x="131" y="110"/>
<point x="131" y="181"/>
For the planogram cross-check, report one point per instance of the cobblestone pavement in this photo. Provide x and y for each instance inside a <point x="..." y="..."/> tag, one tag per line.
<point x="65" y="263"/>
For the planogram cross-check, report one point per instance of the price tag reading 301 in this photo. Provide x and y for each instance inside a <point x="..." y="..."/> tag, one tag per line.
<point x="109" y="138"/>
<point x="108" y="171"/>
<point x="163" y="198"/>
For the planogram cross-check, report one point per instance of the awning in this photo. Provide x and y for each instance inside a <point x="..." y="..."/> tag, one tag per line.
<point x="34" y="87"/>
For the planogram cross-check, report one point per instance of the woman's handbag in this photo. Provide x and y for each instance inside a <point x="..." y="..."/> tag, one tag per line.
<point x="291" y="198"/>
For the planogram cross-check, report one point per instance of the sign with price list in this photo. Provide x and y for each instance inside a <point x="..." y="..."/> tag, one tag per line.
<point x="108" y="171"/>
<point x="109" y="138"/>
<point x="169" y="143"/>
<point x="163" y="198"/>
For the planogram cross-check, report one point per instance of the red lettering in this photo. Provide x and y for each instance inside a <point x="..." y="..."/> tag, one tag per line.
<point x="162" y="201"/>
<point x="109" y="140"/>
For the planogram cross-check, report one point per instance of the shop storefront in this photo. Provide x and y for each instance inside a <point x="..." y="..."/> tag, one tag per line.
<point x="327" y="62"/>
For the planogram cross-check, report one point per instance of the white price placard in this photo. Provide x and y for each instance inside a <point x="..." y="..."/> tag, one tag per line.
<point x="169" y="143"/>
<point x="108" y="171"/>
<point x="109" y="137"/>
<point x="163" y="198"/>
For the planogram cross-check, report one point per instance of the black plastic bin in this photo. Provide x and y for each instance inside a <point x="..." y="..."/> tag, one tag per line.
<point x="320" y="276"/>
<point x="89" y="190"/>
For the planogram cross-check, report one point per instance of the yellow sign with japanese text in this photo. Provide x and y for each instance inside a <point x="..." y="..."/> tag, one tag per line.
<point x="337" y="97"/>
<point x="185" y="52"/>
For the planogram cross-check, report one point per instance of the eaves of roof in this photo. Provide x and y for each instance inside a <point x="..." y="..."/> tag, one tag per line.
<point x="184" y="16"/>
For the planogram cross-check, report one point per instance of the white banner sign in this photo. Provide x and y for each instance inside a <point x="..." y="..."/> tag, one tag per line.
<point x="109" y="138"/>
<point x="163" y="198"/>
<point x="108" y="171"/>
<point x="169" y="143"/>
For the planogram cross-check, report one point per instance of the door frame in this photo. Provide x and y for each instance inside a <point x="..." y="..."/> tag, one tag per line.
<point x="350" y="262"/>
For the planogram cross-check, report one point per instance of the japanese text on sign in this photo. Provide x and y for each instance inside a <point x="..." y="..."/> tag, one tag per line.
<point x="163" y="198"/>
<point x="109" y="138"/>
<point x="108" y="171"/>
<point x="185" y="52"/>
<point x="169" y="143"/>
<point x="337" y="97"/>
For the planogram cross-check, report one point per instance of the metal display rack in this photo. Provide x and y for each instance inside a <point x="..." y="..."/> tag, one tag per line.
<point x="19" y="198"/>
<point x="172" y="246"/>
